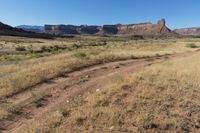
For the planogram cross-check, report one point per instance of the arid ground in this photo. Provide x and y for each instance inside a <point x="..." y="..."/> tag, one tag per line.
<point x="99" y="84"/>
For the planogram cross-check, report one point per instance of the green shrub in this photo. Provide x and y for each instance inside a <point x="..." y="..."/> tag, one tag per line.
<point x="191" y="45"/>
<point x="52" y="48"/>
<point x="20" y="48"/>
<point x="89" y="44"/>
<point x="80" y="55"/>
<point x="44" y="48"/>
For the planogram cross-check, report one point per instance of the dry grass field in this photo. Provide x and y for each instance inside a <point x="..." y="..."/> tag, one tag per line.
<point x="117" y="84"/>
<point x="162" y="98"/>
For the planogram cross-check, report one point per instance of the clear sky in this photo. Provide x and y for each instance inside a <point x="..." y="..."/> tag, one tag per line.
<point x="178" y="13"/>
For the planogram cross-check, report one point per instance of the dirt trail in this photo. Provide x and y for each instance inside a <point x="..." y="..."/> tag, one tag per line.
<point x="53" y="94"/>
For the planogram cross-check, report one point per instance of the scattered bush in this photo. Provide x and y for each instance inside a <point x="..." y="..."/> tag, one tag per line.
<point x="80" y="55"/>
<point x="15" y="110"/>
<point x="102" y="103"/>
<point x="65" y="113"/>
<point x="89" y="44"/>
<point x="126" y="87"/>
<point x="20" y="48"/>
<point x="146" y="122"/>
<point x="191" y="45"/>
<point x="80" y="120"/>
<point x="39" y="102"/>
<point x="52" y="48"/>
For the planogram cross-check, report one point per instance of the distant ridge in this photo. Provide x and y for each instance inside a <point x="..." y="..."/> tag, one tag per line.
<point x="194" y="31"/>
<point x="11" y="31"/>
<point x="131" y="29"/>
<point x="32" y="28"/>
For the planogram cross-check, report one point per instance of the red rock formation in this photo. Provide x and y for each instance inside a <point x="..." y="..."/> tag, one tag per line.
<point x="131" y="29"/>
<point x="144" y="28"/>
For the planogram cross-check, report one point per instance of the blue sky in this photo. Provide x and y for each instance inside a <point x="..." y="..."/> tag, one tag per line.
<point x="178" y="13"/>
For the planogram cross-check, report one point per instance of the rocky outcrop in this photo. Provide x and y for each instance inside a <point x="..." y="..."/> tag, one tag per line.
<point x="132" y="29"/>
<point x="71" y="29"/>
<point x="188" y="31"/>
<point x="89" y="29"/>
<point x="145" y="28"/>
<point x="108" y="29"/>
<point x="138" y="29"/>
<point x="11" y="31"/>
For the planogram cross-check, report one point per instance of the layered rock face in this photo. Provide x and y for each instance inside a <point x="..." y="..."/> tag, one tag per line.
<point x="145" y="28"/>
<point x="109" y="29"/>
<point x="88" y="29"/>
<point x="70" y="29"/>
<point x="189" y="31"/>
<point x="131" y="29"/>
<point x="11" y="31"/>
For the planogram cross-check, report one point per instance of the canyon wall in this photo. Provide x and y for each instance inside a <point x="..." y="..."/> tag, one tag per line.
<point x="131" y="29"/>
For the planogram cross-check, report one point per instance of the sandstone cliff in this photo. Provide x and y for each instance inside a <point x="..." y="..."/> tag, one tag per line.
<point x="144" y="28"/>
<point x="131" y="29"/>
